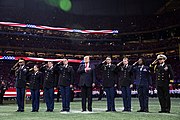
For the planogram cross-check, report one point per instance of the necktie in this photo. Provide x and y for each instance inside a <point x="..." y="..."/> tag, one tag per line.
<point x="108" y="65"/>
<point x="141" y="68"/>
<point x="35" y="73"/>
<point x="86" y="66"/>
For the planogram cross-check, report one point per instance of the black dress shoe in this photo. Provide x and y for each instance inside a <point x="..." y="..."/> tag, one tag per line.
<point x="50" y="110"/>
<point x="67" y="110"/>
<point x="90" y="110"/>
<point x="140" y="111"/>
<point x="62" y="110"/>
<point x="162" y="111"/>
<point x="34" y="111"/>
<point x="21" y="110"/>
<point x="47" y="110"/>
<point x="18" y="110"/>
<point x="108" y="110"/>
<point x="146" y="110"/>
<point x="83" y="111"/>
<point x="167" y="111"/>
<point x="124" y="110"/>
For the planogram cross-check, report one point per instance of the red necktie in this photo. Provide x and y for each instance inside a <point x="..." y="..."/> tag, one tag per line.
<point x="86" y="65"/>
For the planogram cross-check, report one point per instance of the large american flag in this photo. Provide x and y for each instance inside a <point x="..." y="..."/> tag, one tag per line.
<point x="59" y="28"/>
<point x="37" y="59"/>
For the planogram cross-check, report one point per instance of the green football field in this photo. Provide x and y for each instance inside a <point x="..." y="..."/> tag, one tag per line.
<point x="7" y="111"/>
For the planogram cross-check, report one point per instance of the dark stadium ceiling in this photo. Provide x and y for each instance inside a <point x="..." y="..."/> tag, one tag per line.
<point x="92" y="7"/>
<point x="76" y="13"/>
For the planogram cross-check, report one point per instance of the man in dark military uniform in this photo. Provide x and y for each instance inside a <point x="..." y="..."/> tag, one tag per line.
<point x="35" y="81"/>
<point x="126" y="83"/>
<point x="48" y="85"/>
<point x="21" y="72"/>
<point x="65" y="83"/>
<point x="164" y="76"/>
<point x="143" y="80"/>
<point x="109" y="82"/>
<point x="87" y="81"/>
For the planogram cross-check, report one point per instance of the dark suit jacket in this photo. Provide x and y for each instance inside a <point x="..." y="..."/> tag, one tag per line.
<point x="125" y="75"/>
<point x="66" y="75"/>
<point x="109" y="75"/>
<point x="86" y="78"/>
<point x="142" y="77"/>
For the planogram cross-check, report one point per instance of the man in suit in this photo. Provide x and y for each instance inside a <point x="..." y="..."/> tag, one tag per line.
<point x="164" y="76"/>
<point x="21" y="73"/>
<point x="87" y="81"/>
<point x="35" y="81"/>
<point x="65" y="83"/>
<point x="143" y="80"/>
<point x="126" y="83"/>
<point x="109" y="82"/>
<point x="48" y="85"/>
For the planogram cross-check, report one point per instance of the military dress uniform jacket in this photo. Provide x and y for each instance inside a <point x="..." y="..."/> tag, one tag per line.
<point x="125" y="75"/>
<point x="49" y="78"/>
<point x="109" y="75"/>
<point x="163" y="74"/>
<point x="142" y="75"/>
<point x="86" y="78"/>
<point x="35" y="80"/>
<point x="21" y="76"/>
<point x="66" y="75"/>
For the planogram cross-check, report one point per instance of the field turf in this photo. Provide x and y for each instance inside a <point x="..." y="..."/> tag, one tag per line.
<point x="7" y="111"/>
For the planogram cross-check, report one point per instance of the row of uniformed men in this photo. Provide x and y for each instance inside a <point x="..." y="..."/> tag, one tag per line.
<point x="127" y="74"/>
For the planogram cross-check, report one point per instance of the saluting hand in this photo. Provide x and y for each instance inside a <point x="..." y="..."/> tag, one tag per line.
<point x="31" y="69"/>
<point x="103" y="61"/>
<point x="135" y="63"/>
<point x="119" y="63"/>
<point x="59" y="62"/>
<point x="155" y="62"/>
